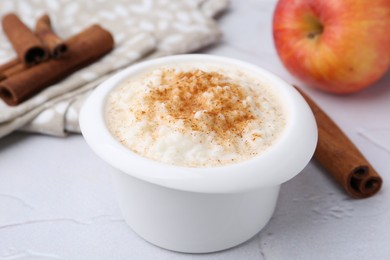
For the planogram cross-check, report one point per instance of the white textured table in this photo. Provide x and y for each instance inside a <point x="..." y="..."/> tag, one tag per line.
<point x="56" y="199"/>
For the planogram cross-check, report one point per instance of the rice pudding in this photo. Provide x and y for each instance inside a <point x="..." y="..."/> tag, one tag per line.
<point x="195" y="115"/>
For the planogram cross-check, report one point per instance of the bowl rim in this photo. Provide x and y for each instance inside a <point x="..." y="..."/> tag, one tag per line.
<point x="279" y="163"/>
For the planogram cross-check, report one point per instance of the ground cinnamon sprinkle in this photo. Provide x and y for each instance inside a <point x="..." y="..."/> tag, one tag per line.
<point x="204" y="101"/>
<point x="195" y="115"/>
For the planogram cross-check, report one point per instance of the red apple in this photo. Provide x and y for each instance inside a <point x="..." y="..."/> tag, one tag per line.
<point x="339" y="46"/>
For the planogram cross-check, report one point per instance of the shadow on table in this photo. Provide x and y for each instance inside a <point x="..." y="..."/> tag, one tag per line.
<point x="11" y="140"/>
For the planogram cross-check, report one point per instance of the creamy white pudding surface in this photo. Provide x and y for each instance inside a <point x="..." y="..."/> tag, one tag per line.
<point x="195" y="115"/>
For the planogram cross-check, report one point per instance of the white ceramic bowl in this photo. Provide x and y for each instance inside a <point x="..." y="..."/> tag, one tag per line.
<point x="201" y="210"/>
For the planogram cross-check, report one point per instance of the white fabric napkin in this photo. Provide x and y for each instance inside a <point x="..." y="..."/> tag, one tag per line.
<point x="142" y="29"/>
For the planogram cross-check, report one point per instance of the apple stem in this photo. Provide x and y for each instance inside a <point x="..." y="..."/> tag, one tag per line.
<point x="315" y="26"/>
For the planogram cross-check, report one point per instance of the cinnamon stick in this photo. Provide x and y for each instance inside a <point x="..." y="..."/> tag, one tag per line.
<point x="17" y="68"/>
<point x="29" y="48"/>
<point x="43" y="29"/>
<point x="84" y="49"/>
<point x="341" y="158"/>
<point x="7" y="66"/>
